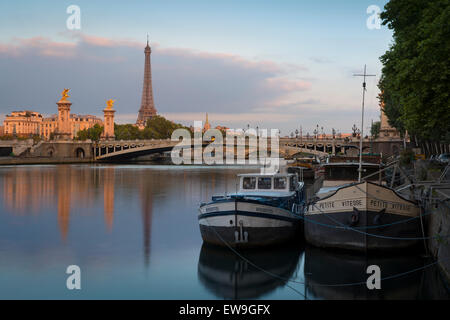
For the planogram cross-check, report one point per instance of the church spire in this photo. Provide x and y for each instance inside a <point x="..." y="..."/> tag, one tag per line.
<point x="207" y="126"/>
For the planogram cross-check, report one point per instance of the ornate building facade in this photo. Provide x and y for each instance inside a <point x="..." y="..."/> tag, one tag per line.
<point x="16" y="124"/>
<point x="28" y="123"/>
<point x="23" y="123"/>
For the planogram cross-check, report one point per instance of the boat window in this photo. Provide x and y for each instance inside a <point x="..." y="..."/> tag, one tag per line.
<point x="264" y="183"/>
<point x="292" y="183"/>
<point x="279" y="183"/>
<point x="249" y="183"/>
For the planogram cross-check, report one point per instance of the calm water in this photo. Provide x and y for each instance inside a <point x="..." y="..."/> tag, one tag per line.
<point x="133" y="231"/>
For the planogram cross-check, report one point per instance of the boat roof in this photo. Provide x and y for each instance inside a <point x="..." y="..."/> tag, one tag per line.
<point x="343" y="164"/>
<point x="266" y="174"/>
<point x="270" y="194"/>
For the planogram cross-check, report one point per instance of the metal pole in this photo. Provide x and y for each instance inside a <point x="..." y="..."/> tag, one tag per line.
<point x="362" y="121"/>
<point x="362" y="129"/>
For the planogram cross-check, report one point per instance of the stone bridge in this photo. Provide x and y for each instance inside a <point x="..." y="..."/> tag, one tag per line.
<point x="348" y="146"/>
<point x="123" y="150"/>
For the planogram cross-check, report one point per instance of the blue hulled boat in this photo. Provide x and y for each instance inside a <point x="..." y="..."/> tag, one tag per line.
<point x="266" y="210"/>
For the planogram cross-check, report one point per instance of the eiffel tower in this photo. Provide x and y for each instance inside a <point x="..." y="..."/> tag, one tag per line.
<point x="147" y="110"/>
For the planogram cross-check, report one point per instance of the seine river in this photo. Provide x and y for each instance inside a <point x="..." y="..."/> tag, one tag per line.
<point x="133" y="231"/>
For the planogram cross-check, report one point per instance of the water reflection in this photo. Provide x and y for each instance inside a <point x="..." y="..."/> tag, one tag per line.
<point x="146" y="210"/>
<point x="134" y="229"/>
<point x="108" y="196"/>
<point x="28" y="191"/>
<point x="63" y="190"/>
<point x="326" y="272"/>
<point x="228" y="276"/>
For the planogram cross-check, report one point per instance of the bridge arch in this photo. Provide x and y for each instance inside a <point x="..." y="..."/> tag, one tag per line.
<point x="80" y="153"/>
<point x="50" y="151"/>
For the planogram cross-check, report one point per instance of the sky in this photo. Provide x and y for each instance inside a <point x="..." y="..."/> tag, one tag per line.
<point x="272" y="64"/>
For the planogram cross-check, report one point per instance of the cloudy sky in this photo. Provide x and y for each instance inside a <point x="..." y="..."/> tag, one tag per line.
<point x="273" y="64"/>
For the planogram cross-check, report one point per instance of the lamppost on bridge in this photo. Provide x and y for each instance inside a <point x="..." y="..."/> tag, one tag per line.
<point x="301" y="135"/>
<point x="354" y="129"/>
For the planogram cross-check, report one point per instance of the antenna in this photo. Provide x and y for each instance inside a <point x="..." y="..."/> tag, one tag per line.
<point x="147" y="38"/>
<point x="362" y="120"/>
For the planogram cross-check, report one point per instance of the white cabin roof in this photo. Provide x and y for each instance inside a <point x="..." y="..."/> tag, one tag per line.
<point x="346" y="164"/>
<point x="268" y="193"/>
<point x="266" y="175"/>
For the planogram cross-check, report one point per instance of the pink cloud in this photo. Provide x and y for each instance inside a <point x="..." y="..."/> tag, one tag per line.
<point x="288" y="85"/>
<point x="230" y="86"/>
<point x="40" y="45"/>
<point x="110" y="43"/>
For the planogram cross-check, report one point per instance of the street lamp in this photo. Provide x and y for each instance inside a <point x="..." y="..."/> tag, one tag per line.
<point x="354" y="128"/>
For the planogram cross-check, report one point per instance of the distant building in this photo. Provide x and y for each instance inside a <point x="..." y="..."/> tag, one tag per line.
<point x="23" y="123"/>
<point x="386" y="131"/>
<point x="222" y="128"/>
<point x="28" y="123"/>
<point x="49" y="126"/>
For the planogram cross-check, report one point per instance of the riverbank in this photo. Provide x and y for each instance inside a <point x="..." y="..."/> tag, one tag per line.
<point x="38" y="160"/>
<point x="439" y="223"/>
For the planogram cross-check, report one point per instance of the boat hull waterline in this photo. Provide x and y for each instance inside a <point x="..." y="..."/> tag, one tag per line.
<point x="363" y="217"/>
<point x="242" y="223"/>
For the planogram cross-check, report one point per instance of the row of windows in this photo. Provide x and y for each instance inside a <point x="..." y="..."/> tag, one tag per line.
<point x="265" y="183"/>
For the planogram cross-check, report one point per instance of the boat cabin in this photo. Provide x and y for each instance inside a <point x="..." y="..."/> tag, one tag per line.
<point x="343" y="173"/>
<point x="268" y="183"/>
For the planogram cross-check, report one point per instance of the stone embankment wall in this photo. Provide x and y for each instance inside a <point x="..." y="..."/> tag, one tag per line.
<point x="436" y="200"/>
<point x="439" y="223"/>
<point x="18" y="146"/>
<point x="27" y="152"/>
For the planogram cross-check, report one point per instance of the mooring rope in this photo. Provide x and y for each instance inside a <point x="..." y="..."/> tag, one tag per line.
<point x="304" y="283"/>
<point x="346" y="227"/>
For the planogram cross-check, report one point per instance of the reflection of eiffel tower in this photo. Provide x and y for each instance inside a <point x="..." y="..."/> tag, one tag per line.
<point x="147" y="209"/>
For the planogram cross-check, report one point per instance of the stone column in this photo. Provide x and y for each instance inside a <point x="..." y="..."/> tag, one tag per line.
<point x="108" y="124"/>
<point x="63" y="130"/>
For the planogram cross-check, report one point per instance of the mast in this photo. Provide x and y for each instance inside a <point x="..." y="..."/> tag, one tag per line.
<point x="362" y="121"/>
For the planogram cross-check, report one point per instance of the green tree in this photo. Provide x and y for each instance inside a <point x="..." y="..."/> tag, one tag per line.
<point x="157" y="127"/>
<point x="375" y="129"/>
<point x="416" y="69"/>
<point x="126" y="132"/>
<point x="93" y="133"/>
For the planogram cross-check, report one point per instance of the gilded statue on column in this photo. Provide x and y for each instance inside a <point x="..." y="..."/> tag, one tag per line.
<point x="65" y="94"/>
<point x="110" y="104"/>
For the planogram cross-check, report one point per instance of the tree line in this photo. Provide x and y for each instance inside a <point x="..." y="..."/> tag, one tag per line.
<point x="157" y="127"/>
<point x="415" y="82"/>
